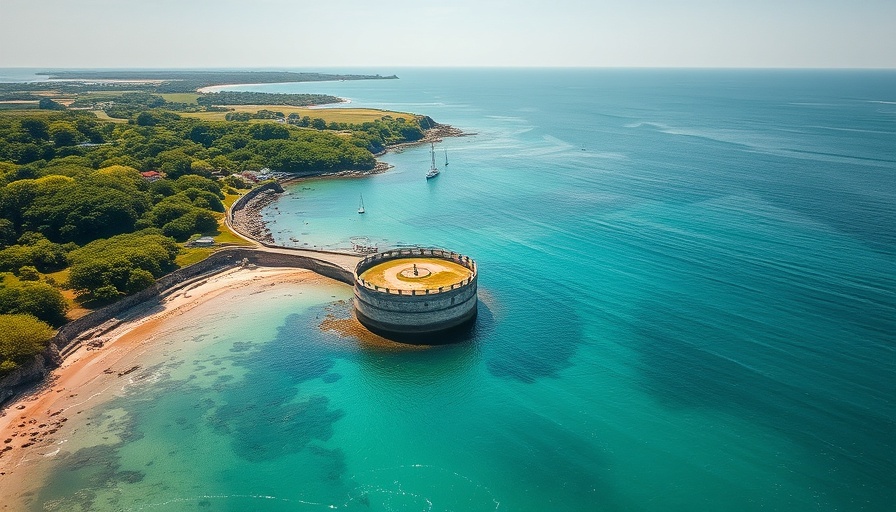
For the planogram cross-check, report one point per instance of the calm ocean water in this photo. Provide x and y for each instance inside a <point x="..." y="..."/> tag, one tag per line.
<point x="689" y="303"/>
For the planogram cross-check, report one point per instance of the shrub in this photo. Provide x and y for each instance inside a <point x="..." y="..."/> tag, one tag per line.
<point x="24" y="336"/>
<point x="43" y="255"/>
<point x="139" y="279"/>
<point x="112" y="262"/>
<point x="28" y="273"/>
<point x="106" y="293"/>
<point x="37" y="299"/>
<point x="193" y="222"/>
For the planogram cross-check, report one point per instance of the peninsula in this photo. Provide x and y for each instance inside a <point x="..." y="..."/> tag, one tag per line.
<point x="170" y="81"/>
<point x="104" y="192"/>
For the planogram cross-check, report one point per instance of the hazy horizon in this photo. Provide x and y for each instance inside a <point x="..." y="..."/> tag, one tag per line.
<point x="265" y="34"/>
<point x="387" y="69"/>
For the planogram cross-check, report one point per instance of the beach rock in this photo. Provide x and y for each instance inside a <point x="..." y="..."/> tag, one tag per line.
<point x="247" y="220"/>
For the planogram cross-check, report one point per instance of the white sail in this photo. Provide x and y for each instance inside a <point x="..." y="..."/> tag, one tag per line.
<point x="433" y="170"/>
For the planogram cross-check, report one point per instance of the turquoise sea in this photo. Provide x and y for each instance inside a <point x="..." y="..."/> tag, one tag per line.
<point x="688" y="284"/>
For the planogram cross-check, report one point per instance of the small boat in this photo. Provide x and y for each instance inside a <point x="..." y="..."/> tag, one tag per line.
<point x="362" y="245"/>
<point x="361" y="205"/>
<point x="446" y="158"/>
<point x="433" y="171"/>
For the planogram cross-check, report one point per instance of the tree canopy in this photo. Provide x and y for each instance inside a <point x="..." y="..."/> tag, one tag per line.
<point x="122" y="264"/>
<point x="37" y="299"/>
<point x="23" y="337"/>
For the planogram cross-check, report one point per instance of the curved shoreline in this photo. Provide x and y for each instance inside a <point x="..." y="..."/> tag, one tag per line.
<point x="36" y="424"/>
<point x="70" y="373"/>
<point x="245" y="220"/>
<point x="70" y="336"/>
<point x="437" y="133"/>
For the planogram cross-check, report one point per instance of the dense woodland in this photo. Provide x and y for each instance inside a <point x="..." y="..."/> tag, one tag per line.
<point x="125" y="105"/>
<point x="77" y="216"/>
<point x="264" y="98"/>
<point x="71" y="143"/>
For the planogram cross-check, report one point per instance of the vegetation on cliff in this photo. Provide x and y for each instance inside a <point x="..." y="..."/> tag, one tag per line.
<point x="23" y="337"/>
<point x="53" y="221"/>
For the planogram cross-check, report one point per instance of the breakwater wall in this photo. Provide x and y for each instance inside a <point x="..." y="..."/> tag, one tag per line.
<point x="241" y="203"/>
<point x="70" y="336"/>
<point x="415" y="315"/>
<point x="244" y="215"/>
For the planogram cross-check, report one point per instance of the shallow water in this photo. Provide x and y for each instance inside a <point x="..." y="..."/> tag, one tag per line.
<point x="688" y="304"/>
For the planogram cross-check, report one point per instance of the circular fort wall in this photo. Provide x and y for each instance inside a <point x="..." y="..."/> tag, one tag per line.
<point x="418" y="305"/>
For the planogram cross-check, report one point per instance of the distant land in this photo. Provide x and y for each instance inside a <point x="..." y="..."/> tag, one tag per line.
<point x="173" y="81"/>
<point x="108" y="177"/>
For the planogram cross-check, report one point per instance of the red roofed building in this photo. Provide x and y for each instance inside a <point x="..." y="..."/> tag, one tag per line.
<point x="151" y="176"/>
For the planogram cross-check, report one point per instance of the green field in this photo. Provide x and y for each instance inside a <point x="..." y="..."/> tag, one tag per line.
<point x="88" y="95"/>
<point x="30" y="112"/>
<point x="225" y="236"/>
<point x="191" y="255"/>
<point x="337" y="115"/>
<point x="181" y="97"/>
<point x="18" y="105"/>
<point x="101" y="114"/>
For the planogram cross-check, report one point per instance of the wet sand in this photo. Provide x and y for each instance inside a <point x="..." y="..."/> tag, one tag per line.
<point x="35" y="426"/>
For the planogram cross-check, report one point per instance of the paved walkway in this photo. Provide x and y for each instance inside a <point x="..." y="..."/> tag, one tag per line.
<point x="346" y="261"/>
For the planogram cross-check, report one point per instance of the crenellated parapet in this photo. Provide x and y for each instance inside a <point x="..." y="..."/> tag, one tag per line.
<point x="415" y="292"/>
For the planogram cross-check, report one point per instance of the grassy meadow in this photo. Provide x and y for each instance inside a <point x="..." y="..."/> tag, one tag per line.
<point x="181" y="97"/>
<point x="337" y="115"/>
<point x="101" y="114"/>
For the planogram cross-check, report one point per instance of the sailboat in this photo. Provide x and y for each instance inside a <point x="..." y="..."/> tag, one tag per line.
<point x="433" y="171"/>
<point x="361" y="205"/>
<point x="446" y="158"/>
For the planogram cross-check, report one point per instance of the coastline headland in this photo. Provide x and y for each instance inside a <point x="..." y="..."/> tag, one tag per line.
<point x="244" y="215"/>
<point x="434" y="132"/>
<point x="91" y="358"/>
<point x="193" y="80"/>
<point x="244" y="220"/>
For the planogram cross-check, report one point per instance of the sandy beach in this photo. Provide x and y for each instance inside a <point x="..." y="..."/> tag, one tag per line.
<point x="34" y="427"/>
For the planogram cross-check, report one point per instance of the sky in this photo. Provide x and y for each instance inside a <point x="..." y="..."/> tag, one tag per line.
<point x="448" y="33"/>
